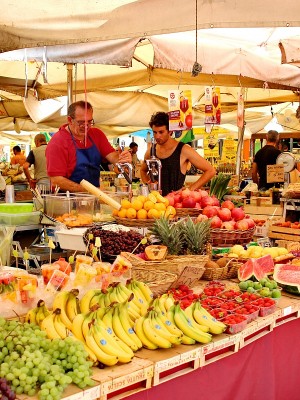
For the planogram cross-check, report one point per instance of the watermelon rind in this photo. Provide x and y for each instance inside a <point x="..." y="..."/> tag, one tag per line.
<point x="290" y="289"/>
<point x="287" y="286"/>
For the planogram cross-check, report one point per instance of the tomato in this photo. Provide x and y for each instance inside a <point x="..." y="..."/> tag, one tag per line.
<point x="189" y="121"/>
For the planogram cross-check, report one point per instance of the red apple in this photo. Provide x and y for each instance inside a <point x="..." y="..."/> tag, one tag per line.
<point x="206" y="201"/>
<point x="242" y="225"/>
<point x="188" y="202"/>
<point x="227" y="204"/>
<point x="201" y="217"/>
<point x="229" y="225"/>
<point x="215" y="201"/>
<point x="210" y="211"/>
<point x="178" y="205"/>
<point x="215" y="222"/>
<point x="171" y="199"/>
<point x="224" y="214"/>
<point x="185" y="193"/>
<point x="238" y="214"/>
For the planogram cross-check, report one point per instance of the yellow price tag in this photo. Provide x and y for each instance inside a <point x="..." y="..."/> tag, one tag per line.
<point x="71" y="259"/>
<point x="98" y="242"/>
<point x="51" y="244"/>
<point x="15" y="253"/>
<point x="144" y="241"/>
<point x="91" y="236"/>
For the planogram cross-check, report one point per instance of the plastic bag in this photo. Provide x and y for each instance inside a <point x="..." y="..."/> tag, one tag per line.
<point x="6" y="237"/>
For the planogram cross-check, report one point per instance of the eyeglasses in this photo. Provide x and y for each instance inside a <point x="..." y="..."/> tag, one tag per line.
<point x="83" y="123"/>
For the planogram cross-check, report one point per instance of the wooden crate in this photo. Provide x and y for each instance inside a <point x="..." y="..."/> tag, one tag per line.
<point x="288" y="310"/>
<point x="263" y="212"/>
<point x="280" y="232"/>
<point x="261" y="201"/>
<point x="257" y="329"/>
<point x="222" y="346"/>
<point x="123" y="380"/>
<point x="173" y="362"/>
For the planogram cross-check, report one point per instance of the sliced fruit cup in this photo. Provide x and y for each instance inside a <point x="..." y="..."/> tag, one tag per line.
<point x="219" y="313"/>
<point x="266" y="306"/>
<point x="229" y="294"/>
<point x="212" y="302"/>
<point x="246" y="297"/>
<point x="250" y="311"/>
<point x="235" y="323"/>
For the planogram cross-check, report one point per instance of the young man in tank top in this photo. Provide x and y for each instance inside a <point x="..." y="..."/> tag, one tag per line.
<point x="175" y="157"/>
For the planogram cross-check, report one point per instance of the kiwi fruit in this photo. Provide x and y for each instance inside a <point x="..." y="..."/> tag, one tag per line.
<point x="211" y="264"/>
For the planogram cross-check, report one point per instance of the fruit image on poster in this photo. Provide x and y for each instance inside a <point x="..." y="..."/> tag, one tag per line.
<point x="180" y="110"/>
<point x="212" y="105"/>
<point x="229" y="150"/>
<point x="210" y="144"/>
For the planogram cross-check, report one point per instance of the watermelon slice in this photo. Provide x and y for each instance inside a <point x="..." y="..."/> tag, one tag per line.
<point x="257" y="268"/>
<point x="288" y="276"/>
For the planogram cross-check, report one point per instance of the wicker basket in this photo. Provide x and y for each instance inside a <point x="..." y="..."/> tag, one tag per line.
<point x="159" y="281"/>
<point x="185" y="212"/>
<point x="189" y="269"/>
<point x="228" y="272"/>
<point x="226" y="238"/>
<point x="139" y="223"/>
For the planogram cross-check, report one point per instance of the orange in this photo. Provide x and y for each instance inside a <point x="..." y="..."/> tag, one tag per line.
<point x="125" y="203"/>
<point x="160" y="207"/>
<point x="131" y="213"/>
<point x="148" y="205"/>
<point x="137" y="204"/>
<point x="153" y="213"/>
<point x="170" y="212"/>
<point x="122" y="213"/>
<point x="142" y="214"/>
<point x="142" y="198"/>
<point x="115" y="212"/>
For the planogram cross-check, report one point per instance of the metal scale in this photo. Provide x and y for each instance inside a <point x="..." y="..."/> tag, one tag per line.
<point x="154" y="169"/>
<point x="126" y="173"/>
<point x="289" y="164"/>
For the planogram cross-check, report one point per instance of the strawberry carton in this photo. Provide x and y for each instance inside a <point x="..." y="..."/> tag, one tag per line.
<point x="230" y="305"/>
<point x="246" y="297"/>
<point x="266" y="306"/>
<point x="211" y="302"/>
<point x="229" y="294"/>
<point x="235" y="323"/>
<point x="219" y="313"/>
<point x="212" y="290"/>
<point x="249" y="310"/>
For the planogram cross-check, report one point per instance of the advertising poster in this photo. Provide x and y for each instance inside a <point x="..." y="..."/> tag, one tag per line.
<point x="229" y="150"/>
<point x="210" y="144"/>
<point x="212" y="105"/>
<point x="180" y="110"/>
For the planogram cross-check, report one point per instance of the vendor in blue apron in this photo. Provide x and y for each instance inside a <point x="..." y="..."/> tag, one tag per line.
<point x="76" y="150"/>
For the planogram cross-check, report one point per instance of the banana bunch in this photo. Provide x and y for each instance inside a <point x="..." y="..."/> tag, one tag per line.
<point x="142" y="295"/>
<point x="163" y="303"/>
<point x="203" y="317"/>
<point x="54" y="326"/>
<point x="99" y="338"/>
<point x="69" y="306"/>
<point x="38" y="314"/>
<point x="191" y="330"/>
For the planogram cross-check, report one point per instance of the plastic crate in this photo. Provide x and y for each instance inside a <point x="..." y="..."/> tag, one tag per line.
<point x="15" y="208"/>
<point x="29" y="218"/>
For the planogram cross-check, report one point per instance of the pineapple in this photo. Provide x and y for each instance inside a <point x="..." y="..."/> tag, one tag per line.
<point x="196" y="236"/>
<point x="168" y="234"/>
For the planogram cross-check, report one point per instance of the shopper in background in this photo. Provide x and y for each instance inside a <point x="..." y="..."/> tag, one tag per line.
<point x="75" y="152"/>
<point x="175" y="158"/>
<point x="133" y="148"/>
<point x="267" y="155"/>
<point x="19" y="157"/>
<point x="37" y="158"/>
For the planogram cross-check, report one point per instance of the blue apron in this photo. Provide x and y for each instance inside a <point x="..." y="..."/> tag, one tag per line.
<point x="87" y="164"/>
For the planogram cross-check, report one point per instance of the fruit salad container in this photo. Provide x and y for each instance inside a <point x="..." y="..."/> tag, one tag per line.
<point x="85" y="274"/>
<point x="219" y="313"/>
<point x="249" y="310"/>
<point x="235" y="323"/>
<point x="26" y="290"/>
<point x="57" y="281"/>
<point x="246" y="297"/>
<point x="211" y="302"/>
<point x="266" y="306"/>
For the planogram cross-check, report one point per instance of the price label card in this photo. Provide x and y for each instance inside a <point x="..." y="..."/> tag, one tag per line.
<point x="275" y="173"/>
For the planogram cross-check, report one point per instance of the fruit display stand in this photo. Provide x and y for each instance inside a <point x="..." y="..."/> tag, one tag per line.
<point x="284" y="232"/>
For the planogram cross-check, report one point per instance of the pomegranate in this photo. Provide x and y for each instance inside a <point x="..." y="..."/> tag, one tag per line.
<point x="171" y="199"/>
<point x="198" y="205"/>
<point x="229" y="225"/>
<point x="251" y="223"/>
<point x="216" y="222"/>
<point x="206" y="201"/>
<point x="215" y="201"/>
<point x="224" y="214"/>
<point x="185" y="193"/>
<point x="188" y="202"/>
<point x="202" y="217"/>
<point x="242" y="225"/>
<point x="210" y="211"/>
<point x="227" y="204"/>
<point x="203" y="193"/>
<point x="177" y="198"/>
<point x="178" y="205"/>
<point x="238" y="214"/>
<point x="197" y="195"/>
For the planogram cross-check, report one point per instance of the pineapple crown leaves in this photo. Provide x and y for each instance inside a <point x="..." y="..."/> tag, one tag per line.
<point x="196" y="235"/>
<point x="168" y="234"/>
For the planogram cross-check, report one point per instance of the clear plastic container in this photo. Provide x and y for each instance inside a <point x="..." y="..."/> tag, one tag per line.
<point x="27" y="285"/>
<point x="28" y="218"/>
<point x="250" y="311"/>
<point x="82" y="259"/>
<point x="85" y="274"/>
<point x="266" y="306"/>
<point x="57" y="281"/>
<point x="235" y="327"/>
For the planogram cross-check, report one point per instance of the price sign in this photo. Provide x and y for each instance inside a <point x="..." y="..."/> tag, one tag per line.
<point x="275" y="173"/>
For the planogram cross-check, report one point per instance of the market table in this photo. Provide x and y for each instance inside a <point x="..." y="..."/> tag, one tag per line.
<point x="266" y="369"/>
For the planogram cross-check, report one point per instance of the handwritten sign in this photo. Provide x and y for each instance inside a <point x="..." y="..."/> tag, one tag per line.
<point x="275" y="173"/>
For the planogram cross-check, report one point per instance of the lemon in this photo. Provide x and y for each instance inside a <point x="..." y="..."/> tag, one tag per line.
<point x="152" y="197"/>
<point x="125" y="204"/>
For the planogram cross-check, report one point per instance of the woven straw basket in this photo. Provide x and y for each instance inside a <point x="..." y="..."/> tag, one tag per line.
<point x="139" y="223"/>
<point x="181" y="266"/>
<point x="158" y="281"/>
<point x="185" y="212"/>
<point x="228" y="272"/>
<point x="226" y="238"/>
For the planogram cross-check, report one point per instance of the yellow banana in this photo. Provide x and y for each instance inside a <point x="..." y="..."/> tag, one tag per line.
<point x="190" y="313"/>
<point x="187" y="340"/>
<point x="161" y="330"/>
<point x="203" y="317"/>
<point x="187" y="327"/>
<point x="104" y="358"/>
<point x="138" y="327"/>
<point x="145" y="289"/>
<point x="90" y="354"/>
<point x="120" y="331"/>
<point x="126" y="323"/>
<point x="153" y="336"/>
<point x="42" y="312"/>
<point x="169" y="325"/>
<point x="107" y="317"/>
<point x="161" y="303"/>
<point x="138" y="299"/>
<point x="77" y="326"/>
<point x="47" y="325"/>
<point x="30" y="317"/>
<point x="60" y="301"/>
<point x="169" y="302"/>
<point x="86" y="323"/>
<point x="109" y="345"/>
<point x="87" y="298"/>
<point x="72" y="306"/>
<point x="59" y="325"/>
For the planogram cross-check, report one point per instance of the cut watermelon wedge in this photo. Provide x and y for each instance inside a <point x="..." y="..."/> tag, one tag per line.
<point x="257" y="268"/>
